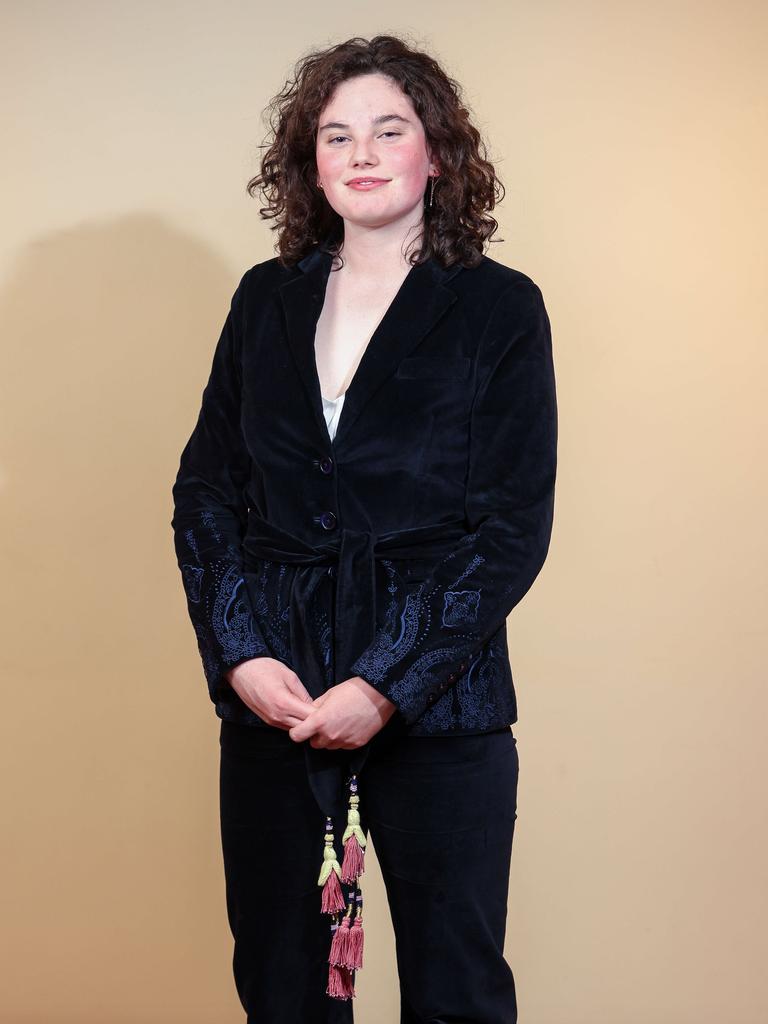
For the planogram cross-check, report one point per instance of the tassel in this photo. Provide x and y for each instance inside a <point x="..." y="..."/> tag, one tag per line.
<point x="346" y="954"/>
<point x="340" y="983"/>
<point x="354" y="864"/>
<point x="340" y="940"/>
<point x="340" y="980"/>
<point x="355" y="939"/>
<point x="352" y="868"/>
<point x="330" y="873"/>
<point x="353" y="839"/>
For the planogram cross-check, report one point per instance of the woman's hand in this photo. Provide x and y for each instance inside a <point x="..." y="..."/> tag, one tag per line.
<point x="345" y="716"/>
<point x="271" y="689"/>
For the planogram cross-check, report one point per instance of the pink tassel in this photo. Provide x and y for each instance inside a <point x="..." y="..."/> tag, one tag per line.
<point x="354" y="860"/>
<point x="346" y="953"/>
<point x="340" y="984"/>
<point x="340" y="943"/>
<point x="333" y="897"/>
<point x="355" y="944"/>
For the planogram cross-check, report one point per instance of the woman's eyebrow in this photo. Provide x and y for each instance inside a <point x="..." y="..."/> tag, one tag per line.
<point x="381" y="119"/>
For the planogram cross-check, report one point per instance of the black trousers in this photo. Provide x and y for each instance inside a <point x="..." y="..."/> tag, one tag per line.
<point x="440" y="812"/>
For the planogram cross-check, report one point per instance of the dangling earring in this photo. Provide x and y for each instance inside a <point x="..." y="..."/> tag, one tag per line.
<point x="431" y="188"/>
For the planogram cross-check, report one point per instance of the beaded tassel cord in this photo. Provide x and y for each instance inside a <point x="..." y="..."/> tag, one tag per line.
<point x="346" y="953"/>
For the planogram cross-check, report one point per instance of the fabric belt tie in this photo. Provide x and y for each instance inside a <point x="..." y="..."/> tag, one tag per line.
<point x="354" y="554"/>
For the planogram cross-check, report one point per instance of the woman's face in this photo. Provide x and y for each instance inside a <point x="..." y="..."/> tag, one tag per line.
<point x="369" y="129"/>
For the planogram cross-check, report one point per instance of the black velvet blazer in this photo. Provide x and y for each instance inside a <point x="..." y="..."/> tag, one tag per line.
<point x="396" y="551"/>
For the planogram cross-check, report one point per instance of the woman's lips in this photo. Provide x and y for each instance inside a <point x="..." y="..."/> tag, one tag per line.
<point x="362" y="186"/>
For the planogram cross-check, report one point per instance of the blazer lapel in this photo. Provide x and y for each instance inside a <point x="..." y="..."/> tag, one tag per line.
<point x="421" y="301"/>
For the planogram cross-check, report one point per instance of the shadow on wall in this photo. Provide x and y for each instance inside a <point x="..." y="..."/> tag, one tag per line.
<point x="111" y="813"/>
<point x="110" y="333"/>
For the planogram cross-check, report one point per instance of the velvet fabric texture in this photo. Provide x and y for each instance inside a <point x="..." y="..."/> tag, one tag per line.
<point x="396" y="550"/>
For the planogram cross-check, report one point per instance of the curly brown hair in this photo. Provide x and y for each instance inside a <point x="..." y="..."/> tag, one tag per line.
<point x="456" y="226"/>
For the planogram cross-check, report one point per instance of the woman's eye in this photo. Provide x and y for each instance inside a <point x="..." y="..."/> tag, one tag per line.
<point x="335" y="138"/>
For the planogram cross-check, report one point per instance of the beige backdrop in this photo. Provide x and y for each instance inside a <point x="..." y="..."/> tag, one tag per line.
<point x="631" y="140"/>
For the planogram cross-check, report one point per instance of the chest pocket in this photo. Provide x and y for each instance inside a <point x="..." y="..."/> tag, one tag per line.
<point x="434" y="368"/>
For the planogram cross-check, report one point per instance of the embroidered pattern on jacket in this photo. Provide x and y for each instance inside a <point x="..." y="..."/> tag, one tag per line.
<point x="408" y="622"/>
<point x="226" y="604"/>
<point x="394" y="641"/>
<point x="231" y="621"/>
<point x="478" y="701"/>
<point x="400" y="632"/>
<point x="474" y="563"/>
<point x="265" y="589"/>
<point x="460" y="607"/>
<point x="218" y="601"/>
<point x="192" y="579"/>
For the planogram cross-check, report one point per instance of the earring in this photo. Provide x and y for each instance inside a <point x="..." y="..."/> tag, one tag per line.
<point x="319" y="184"/>
<point x="432" y="188"/>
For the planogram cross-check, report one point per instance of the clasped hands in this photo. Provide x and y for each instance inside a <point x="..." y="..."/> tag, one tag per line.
<point x="347" y="716"/>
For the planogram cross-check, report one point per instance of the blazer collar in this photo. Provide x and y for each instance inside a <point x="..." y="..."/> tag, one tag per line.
<point x="423" y="298"/>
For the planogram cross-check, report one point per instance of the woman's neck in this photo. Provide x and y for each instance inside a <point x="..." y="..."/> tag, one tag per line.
<point x="370" y="255"/>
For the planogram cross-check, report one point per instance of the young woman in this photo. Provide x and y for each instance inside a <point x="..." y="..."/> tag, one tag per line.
<point x="366" y="495"/>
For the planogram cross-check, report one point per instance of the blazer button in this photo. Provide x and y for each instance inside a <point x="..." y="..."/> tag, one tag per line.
<point x="331" y="570"/>
<point x="326" y="464"/>
<point x="328" y="521"/>
<point x="431" y="698"/>
<point x="452" y="677"/>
